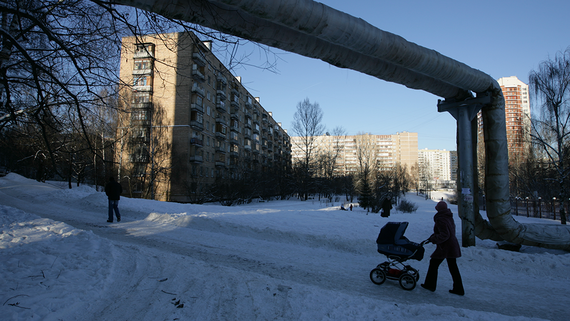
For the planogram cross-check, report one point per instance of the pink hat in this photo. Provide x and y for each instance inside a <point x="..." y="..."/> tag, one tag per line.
<point x="441" y="206"/>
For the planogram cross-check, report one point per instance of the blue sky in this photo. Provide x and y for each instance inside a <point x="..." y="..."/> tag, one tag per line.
<point x="500" y="38"/>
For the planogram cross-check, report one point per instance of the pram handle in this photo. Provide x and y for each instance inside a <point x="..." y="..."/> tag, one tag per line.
<point x="424" y="242"/>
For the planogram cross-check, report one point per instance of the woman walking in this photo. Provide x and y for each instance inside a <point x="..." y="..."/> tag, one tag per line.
<point x="447" y="248"/>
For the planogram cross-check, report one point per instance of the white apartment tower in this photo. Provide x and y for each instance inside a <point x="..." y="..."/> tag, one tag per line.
<point x="438" y="167"/>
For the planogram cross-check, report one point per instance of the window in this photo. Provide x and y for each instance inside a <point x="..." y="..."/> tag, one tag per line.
<point x="141" y="97"/>
<point x="208" y="110"/>
<point x="142" y="64"/>
<point x="141" y="81"/>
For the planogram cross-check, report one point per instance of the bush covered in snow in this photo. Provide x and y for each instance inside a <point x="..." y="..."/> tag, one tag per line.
<point x="406" y="206"/>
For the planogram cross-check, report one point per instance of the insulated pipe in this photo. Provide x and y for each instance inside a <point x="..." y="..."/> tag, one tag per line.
<point x="314" y="30"/>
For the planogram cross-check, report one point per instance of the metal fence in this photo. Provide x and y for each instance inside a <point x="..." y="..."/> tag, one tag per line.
<point x="540" y="208"/>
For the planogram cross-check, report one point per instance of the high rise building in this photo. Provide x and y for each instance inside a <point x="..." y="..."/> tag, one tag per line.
<point x="517" y="113"/>
<point x="386" y="150"/>
<point x="188" y="122"/>
<point x="437" y="168"/>
<point x="517" y="116"/>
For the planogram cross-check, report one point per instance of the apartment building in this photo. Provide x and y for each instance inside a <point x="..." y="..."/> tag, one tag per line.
<point x="437" y="168"/>
<point x="385" y="150"/>
<point x="517" y="113"/>
<point x="188" y="122"/>
<point x="517" y="116"/>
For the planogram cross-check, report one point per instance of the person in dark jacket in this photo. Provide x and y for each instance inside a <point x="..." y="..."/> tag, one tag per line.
<point x="386" y="206"/>
<point x="447" y="248"/>
<point x="113" y="190"/>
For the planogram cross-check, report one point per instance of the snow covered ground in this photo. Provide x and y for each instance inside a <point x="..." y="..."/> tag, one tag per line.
<point x="279" y="260"/>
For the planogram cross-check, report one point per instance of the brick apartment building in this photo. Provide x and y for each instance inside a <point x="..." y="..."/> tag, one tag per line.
<point x="187" y="123"/>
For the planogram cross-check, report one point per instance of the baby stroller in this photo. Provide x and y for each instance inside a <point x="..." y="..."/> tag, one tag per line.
<point x="392" y="243"/>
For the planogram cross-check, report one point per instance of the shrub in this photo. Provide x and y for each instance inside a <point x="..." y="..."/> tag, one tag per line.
<point x="406" y="206"/>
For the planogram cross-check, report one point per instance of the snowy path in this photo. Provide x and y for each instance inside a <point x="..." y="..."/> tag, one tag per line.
<point x="251" y="270"/>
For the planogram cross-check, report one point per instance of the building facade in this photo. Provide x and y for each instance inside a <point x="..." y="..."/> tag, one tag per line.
<point x="517" y="116"/>
<point x="386" y="150"/>
<point x="437" y="168"/>
<point x="517" y="113"/>
<point x="188" y="122"/>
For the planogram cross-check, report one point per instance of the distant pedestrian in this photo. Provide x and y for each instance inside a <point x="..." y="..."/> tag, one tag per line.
<point x="447" y="249"/>
<point x="113" y="190"/>
<point x="351" y="207"/>
<point x="386" y="206"/>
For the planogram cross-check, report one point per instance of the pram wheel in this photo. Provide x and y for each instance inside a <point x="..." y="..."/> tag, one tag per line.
<point x="414" y="273"/>
<point x="377" y="276"/>
<point x="407" y="282"/>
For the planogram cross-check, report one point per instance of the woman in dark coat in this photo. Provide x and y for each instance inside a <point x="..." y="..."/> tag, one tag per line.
<point x="447" y="248"/>
<point x="386" y="206"/>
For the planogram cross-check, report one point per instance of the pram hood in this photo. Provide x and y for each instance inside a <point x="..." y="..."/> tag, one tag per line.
<point x="392" y="242"/>
<point x="393" y="233"/>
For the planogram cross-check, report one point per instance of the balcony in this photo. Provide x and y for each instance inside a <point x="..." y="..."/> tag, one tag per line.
<point x="139" y="140"/>
<point x="197" y="89"/>
<point x="140" y="122"/>
<point x="220" y="164"/>
<point x="221" y="94"/>
<point x="196" y="142"/>
<point x="197" y="107"/>
<point x="147" y="105"/>
<point x="195" y="159"/>
<point x="142" y="88"/>
<point x="221" y="121"/>
<point x="138" y="158"/>
<point x="197" y="125"/>
<point x="144" y="53"/>
<point x="198" y="75"/>
<point x="221" y="106"/>
<point x="147" y="71"/>
<point x="199" y="58"/>
<point x="221" y="78"/>
<point x="220" y="135"/>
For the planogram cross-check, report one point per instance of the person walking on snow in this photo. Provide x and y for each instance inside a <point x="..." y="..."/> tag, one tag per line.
<point x="447" y="248"/>
<point x="386" y="206"/>
<point x="113" y="190"/>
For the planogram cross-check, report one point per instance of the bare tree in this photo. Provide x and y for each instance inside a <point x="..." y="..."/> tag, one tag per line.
<point x="551" y="126"/>
<point x="367" y="167"/>
<point x="329" y="153"/>
<point x="59" y="69"/>
<point x="307" y="125"/>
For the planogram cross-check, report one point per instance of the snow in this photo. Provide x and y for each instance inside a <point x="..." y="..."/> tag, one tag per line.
<point x="277" y="260"/>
